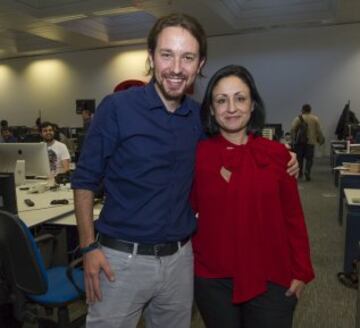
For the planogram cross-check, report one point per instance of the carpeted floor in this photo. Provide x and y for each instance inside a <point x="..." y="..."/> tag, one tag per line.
<point x="326" y="303"/>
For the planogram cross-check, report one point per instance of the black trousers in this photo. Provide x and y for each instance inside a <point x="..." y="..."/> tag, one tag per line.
<point x="305" y="152"/>
<point x="273" y="309"/>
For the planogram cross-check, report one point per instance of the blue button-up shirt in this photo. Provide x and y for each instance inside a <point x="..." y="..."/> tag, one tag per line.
<point x="145" y="156"/>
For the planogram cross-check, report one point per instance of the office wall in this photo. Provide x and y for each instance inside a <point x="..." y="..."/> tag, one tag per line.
<point x="292" y="67"/>
<point x="53" y="83"/>
<point x="318" y="66"/>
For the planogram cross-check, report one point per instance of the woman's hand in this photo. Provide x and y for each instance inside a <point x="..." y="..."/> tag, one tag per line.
<point x="296" y="287"/>
<point x="293" y="165"/>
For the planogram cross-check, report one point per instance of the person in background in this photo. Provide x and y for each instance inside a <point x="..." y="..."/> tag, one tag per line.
<point x="141" y="144"/>
<point x="38" y="124"/>
<point x="7" y="135"/>
<point x="59" y="156"/>
<point x="87" y="117"/>
<point x="60" y="136"/>
<point x="4" y="124"/>
<point x="287" y="139"/>
<point x="251" y="249"/>
<point x="305" y="150"/>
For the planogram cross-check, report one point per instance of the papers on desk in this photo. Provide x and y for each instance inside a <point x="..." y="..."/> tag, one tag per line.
<point x="352" y="196"/>
<point x="340" y="168"/>
<point x="39" y="188"/>
<point x="349" y="166"/>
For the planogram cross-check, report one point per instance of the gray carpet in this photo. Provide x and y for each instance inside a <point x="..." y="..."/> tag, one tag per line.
<point x="326" y="303"/>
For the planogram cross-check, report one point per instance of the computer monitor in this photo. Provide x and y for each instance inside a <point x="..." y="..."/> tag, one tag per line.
<point x="8" y="193"/>
<point x="35" y="155"/>
<point x="75" y="131"/>
<point x="277" y="130"/>
<point x="32" y="137"/>
<point x="87" y="104"/>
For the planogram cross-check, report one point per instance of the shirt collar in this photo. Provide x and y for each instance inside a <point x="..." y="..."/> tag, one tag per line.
<point x="155" y="101"/>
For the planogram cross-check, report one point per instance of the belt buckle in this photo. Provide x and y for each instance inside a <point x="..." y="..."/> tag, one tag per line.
<point x="157" y="249"/>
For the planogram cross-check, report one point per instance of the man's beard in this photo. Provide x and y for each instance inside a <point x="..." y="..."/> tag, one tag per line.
<point x="168" y="93"/>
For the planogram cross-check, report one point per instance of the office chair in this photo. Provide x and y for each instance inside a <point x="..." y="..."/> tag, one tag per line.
<point x="30" y="282"/>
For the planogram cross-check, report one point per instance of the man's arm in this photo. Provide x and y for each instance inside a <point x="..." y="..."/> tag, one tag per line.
<point x="294" y="127"/>
<point x="65" y="163"/>
<point x="65" y="159"/>
<point x="84" y="207"/>
<point x="94" y="261"/>
<point x="319" y="135"/>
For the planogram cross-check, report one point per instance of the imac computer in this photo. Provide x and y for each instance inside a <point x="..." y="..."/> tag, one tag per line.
<point x="35" y="156"/>
<point x="8" y="193"/>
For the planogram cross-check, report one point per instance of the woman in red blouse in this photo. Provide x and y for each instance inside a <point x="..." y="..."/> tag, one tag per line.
<point x="251" y="248"/>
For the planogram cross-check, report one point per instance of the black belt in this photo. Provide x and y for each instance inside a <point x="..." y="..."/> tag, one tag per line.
<point x="165" y="249"/>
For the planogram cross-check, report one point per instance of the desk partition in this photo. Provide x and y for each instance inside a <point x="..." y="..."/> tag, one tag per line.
<point x="352" y="232"/>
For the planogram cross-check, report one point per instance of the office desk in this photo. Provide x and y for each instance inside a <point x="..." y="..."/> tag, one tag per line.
<point x="44" y="212"/>
<point x="42" y="200"/>
<point x="70" y="219"/>
<point x="58" y="220"/>
<point x="336" y="145"/>
<point x="341" y="156"/>
<point x="350" y="180"/>
<point x="352" y="232"/>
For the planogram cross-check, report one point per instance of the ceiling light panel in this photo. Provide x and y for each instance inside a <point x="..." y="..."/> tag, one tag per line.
<point x="116" y="11"/>
<point x="42" y="4"/>
<point x="61" y="19"/>
<point x="241" y="13"/>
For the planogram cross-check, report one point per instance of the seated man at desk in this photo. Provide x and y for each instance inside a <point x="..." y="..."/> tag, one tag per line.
<point x="7" y="135"/>
<point x="87" y="117"/>
<point x="59" y="156"/>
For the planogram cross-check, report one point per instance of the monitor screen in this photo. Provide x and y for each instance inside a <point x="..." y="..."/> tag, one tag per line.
<point x="8" y="193"/>
<point x="277" y="130"/>
<point x="32" y="137"/>
<point x="35" y="155"/>
<point x="88" y="104"/>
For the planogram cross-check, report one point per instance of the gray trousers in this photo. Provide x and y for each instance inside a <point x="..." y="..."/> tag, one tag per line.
<point x="159" y="287"/>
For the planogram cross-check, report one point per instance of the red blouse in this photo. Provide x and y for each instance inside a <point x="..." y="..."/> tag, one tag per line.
<point x="252" y="228"/>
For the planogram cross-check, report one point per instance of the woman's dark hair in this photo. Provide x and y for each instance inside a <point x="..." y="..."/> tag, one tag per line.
<point x="187" y="22"/>
<point x="257" y="118"/>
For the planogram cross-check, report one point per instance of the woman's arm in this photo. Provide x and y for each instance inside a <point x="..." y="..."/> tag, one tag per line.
<point x="296" y="230"/>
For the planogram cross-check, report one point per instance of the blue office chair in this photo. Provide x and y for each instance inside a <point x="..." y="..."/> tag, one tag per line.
<point x="29" y="281"/>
